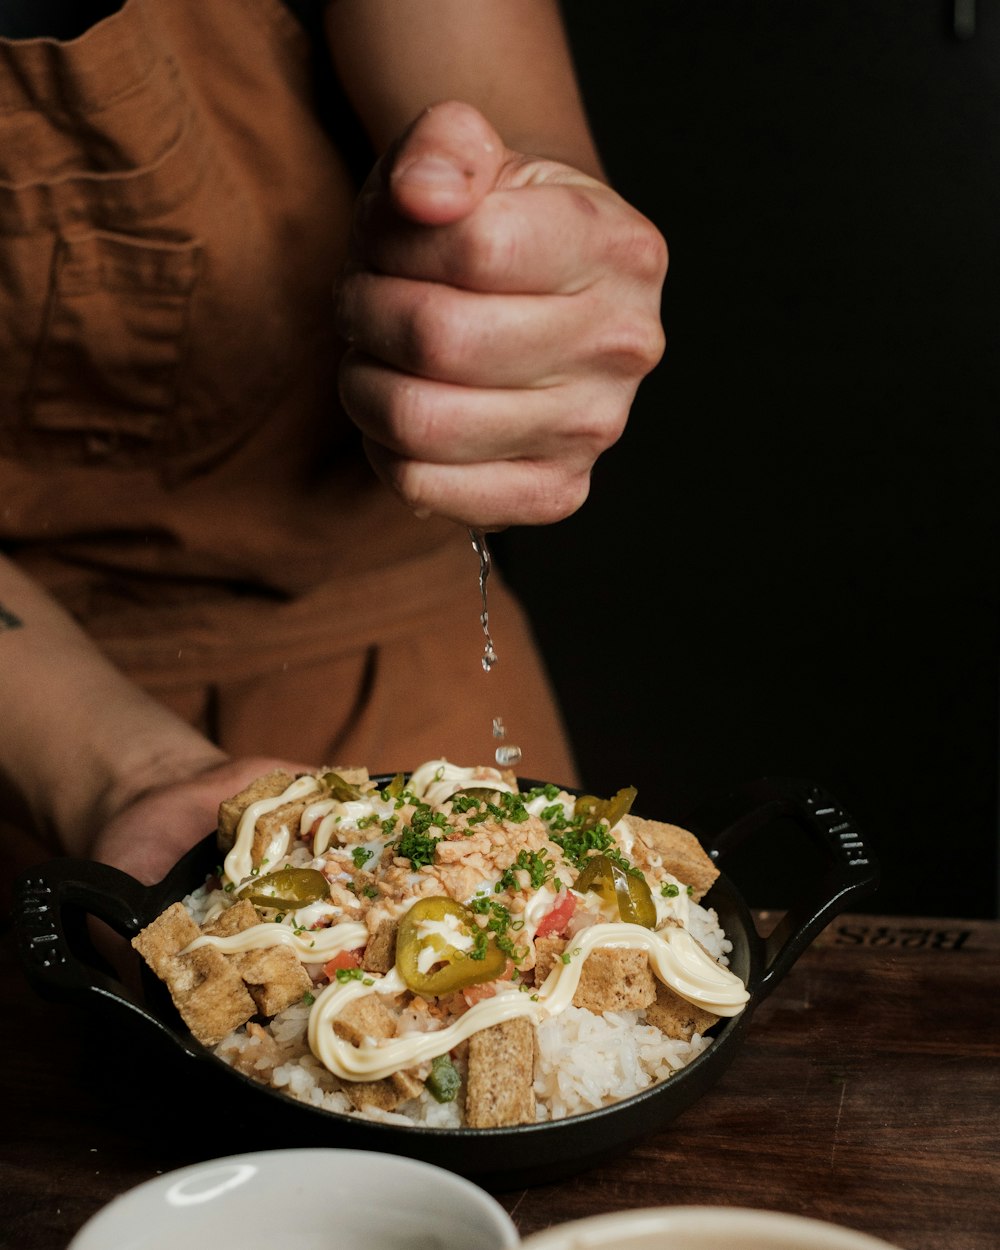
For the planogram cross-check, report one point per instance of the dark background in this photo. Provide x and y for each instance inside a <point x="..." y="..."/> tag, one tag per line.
<point x="788" y="563"/>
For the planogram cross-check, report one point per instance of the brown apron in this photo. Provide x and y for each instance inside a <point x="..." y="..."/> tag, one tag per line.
<point x="173" y="465"/>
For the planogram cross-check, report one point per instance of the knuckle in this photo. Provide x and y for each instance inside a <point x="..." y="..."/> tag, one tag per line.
<point x="401" y="475"/>
<point x="556" y="495"/>
<point x="634" y="345"/>
<point x="436" y="335"/>
<point x="403" y="413"/>
<point x="488" y="248"/>
<point x="599" y="414"/>
<point x="405" y="480"/>
<point x="571" y="496"/>
<point x="642" y="250"/>
<point x="409" y="419"/>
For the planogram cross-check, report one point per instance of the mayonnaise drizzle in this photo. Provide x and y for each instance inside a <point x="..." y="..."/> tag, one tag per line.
<point x="437" y="780"/>
<point x="239" y="863"/>
<point x="310" y="946"/>
<point x="337" y="817"/>
<point x="676" y="907"/>
<point x="674" y="956"/>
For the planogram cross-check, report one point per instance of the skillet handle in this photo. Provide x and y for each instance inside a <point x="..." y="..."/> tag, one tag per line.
<point x="51" y="904"/>
<point x="851" y="870"/>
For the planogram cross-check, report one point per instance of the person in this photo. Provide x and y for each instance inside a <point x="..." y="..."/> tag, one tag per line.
<point x="251" y="405"/>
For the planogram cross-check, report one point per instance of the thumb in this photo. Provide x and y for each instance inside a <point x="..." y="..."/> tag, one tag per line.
<point x="444" y="164"/>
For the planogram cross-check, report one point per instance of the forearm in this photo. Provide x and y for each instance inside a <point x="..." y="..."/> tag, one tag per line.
<point x="508" y="58"/>
<point x="79" y="740"/>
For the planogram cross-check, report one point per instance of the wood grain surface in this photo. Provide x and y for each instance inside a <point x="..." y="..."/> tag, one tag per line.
<point x="867" y="1094"/>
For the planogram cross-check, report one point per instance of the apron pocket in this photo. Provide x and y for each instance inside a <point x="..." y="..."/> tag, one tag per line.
<point x="105" y="377"/>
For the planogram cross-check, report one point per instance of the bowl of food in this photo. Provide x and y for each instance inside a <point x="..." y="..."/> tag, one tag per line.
<point x="500" y="976"/>
<point x="702" y="1228"/>
<point x="268" y="1198"/>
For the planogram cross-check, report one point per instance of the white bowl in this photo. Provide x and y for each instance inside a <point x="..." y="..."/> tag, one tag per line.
<point x="311" y="1199"/>
<point x="701" y="1228"/>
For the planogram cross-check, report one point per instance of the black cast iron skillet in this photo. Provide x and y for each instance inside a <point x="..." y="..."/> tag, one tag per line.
<point x="144" y="1034"/>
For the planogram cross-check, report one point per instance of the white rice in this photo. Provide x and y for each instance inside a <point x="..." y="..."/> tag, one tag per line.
<point x="583" y="1061"/>
<point x="703" y="925"/>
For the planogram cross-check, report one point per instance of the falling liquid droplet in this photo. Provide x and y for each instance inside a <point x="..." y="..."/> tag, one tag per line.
<point x="481" y="548"/>
<point x="506" y="756"/>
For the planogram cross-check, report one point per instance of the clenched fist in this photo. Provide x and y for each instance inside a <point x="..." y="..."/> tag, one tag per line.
<point x="500" y="311"/>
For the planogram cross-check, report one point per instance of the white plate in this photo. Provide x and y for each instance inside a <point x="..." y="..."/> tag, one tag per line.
<point x="310" y="1199"/>
<point x="701" y="1228"/>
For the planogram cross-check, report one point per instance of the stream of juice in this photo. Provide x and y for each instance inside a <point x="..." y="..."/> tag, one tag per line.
<point x="506" y="755"/>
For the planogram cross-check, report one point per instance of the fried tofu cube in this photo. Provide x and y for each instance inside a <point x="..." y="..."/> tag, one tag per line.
<point x="273" y="975"/>
<point x="274" y="978"/>
<point x="615" y="980"/>
<point x="500" y="1085"/>
<point x="407" y="1083"/>
<point x="230" y="810"/>
<point x="682" y="853"/>
<point x="676" y="1017"/>
<point x="385" y="1095"/>
<point x="282" y="824"/>
<point x="368" y="1020"/>
<point x="207" y="990"/>
<point x="233" y="920"/>
<point x="270" y="824"/>
<point x="611" y="979"/>
<point x="365" y="1019"/>
<point x="547" y="951"/>
<point x="380" y="953"/>
<point x="381" y="1095"/>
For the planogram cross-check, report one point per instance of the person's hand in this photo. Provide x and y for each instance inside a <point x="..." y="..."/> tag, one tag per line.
<point x="500" y="311"/>
<point x="149" y="835"/>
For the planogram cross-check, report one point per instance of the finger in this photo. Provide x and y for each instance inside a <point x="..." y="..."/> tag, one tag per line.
<point x="438" y="170"/>
<point x="499" y="341"/>
<point x="426" y="420"/>
<point x="443" y="165"/>
<point x="488" y="496"/>
<point x="535" y="239"/>
<point x="468" y="339"/>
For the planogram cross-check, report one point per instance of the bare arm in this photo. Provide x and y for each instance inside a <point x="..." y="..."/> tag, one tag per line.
<point x="501" y="303"/>
<point x="81" y="739"/>
<point x="507" y="58"/>
<point x="89" y="763"/>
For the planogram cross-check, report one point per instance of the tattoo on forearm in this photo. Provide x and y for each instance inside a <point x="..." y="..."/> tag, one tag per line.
<point x="8" y="620"/>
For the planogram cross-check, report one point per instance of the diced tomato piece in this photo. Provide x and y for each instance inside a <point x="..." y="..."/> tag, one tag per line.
<point x="476" y="993"/>
<point x="558" y="916"/>
<point x="342" y="959"/>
